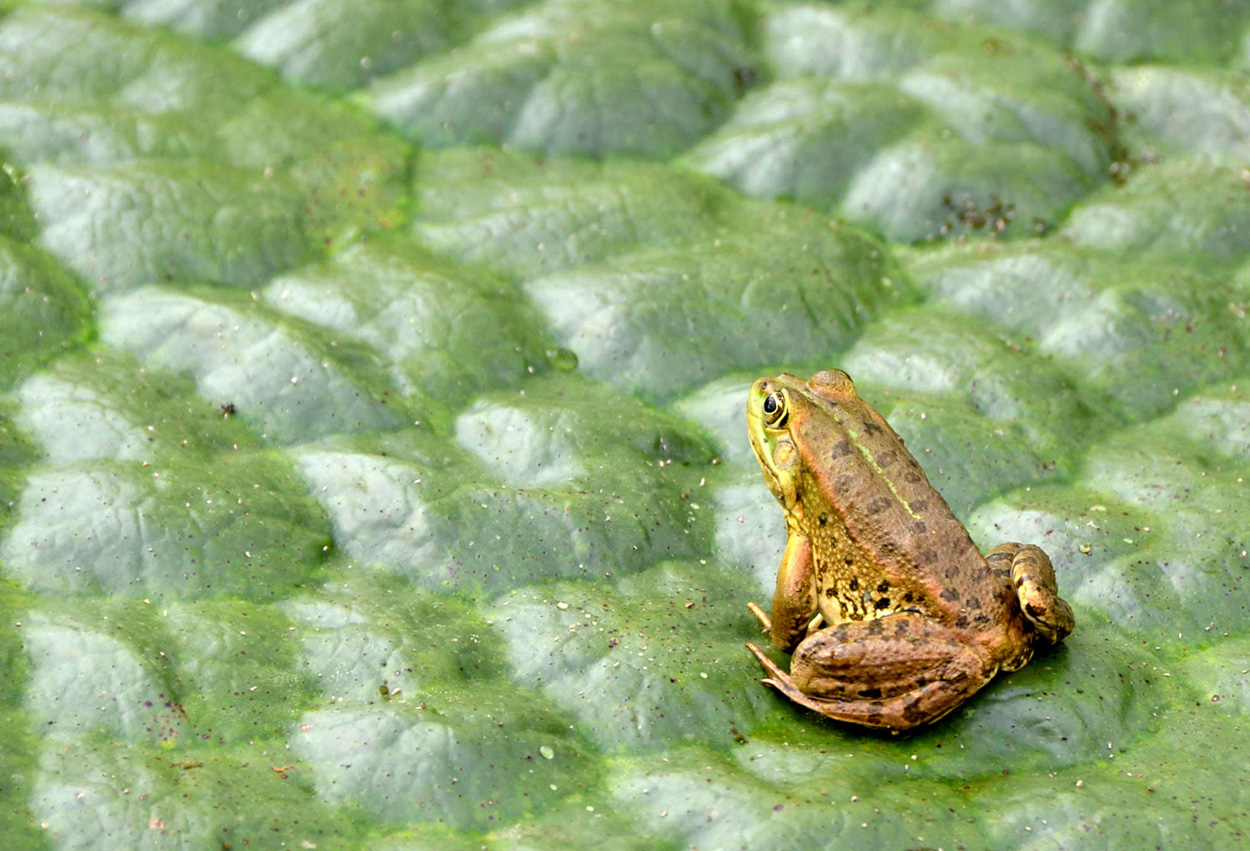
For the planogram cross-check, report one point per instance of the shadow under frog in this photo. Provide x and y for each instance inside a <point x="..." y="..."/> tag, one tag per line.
<point x="893" y="616"/>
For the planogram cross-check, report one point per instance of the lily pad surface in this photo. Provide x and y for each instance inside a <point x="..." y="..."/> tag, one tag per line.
<point x="373" y="469"/>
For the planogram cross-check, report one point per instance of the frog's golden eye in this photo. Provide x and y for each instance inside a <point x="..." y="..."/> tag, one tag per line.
<point x="774" y="409"/>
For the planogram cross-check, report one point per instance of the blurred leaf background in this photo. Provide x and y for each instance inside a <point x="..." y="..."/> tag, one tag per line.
<point x="372" y="472"/>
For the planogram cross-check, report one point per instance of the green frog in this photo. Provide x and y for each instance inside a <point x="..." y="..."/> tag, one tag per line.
<point x="893" y="616"/>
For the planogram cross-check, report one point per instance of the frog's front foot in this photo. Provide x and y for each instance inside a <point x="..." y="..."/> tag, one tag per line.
<point x="895" y="673"/>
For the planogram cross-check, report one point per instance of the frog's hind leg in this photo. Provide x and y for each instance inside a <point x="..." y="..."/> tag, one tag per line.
<point x="895" y="673"/>
<point x="1033" y="578"/>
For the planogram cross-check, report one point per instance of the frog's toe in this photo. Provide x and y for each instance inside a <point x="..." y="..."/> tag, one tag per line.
<point x="760" y="616"/>
<point x="1033" y="577"/>
<point x="776" y="675"/>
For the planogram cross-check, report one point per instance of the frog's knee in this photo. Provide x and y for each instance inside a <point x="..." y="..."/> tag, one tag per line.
<point x="1030" y="564"/>
<point x="1000" y="560"/>
<point x="1003" y="553"/>
<point x="1037" y="589"/>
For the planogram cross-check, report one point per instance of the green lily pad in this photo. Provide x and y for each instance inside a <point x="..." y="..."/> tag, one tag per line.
<point x="83" y="408"/>
<point x="448" y="333"/>
<point x="1080" y="805"/>
<point x="1173" y="112"/>
<point x="1055" y="20"/>
<point x="578" y="824"/>
<point x="806" y="287"/>
<point x="1151" y="218"/>
<point x="850" y="42"/>
<point x="353" y="175"/>
<point x="1114" y="30"/>
<point x="1133" y="30"/>
<point x="1214" y="423"/>
<point x="529" y="217"/>
<point x="98" y="223"/>
<point x="42" y="311"/>
<point x="209" y="19"/>
<point x="16" y="453"/>
<point x="380" y="641"/>
<point x="750" y="529"/>
<point x="405" y="506"/>
<point x="543" y="81"/>
<point x="1009" y="111"/>
<point x="697" y="800"/>
<point x="67" y="55"/>
<point x="1017" y="92"/>
<point x="325" y="43"/>
<point x="85" y="681"/>
<point x="923" y="190"/>
<point x="465" y="759"/>
<point x="719" y="408"/>
<point x="930" y="353"/>
<point x="1172" y="557"/>
<point x="96" y="794"/>
<point x="70" y="134"/>
<point x="1221" y="674"/>
<point x="806" y="138"/>
<point x="1106" y="328"/>
<point x="628" y="690"/>
<point x="237" y="670"/>
<point x="278" y="377"/>
<point x="127" y="528"/>
<point x="374" y="486"/>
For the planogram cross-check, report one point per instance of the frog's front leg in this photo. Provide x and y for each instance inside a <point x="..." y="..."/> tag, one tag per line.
<point x="794" y="599"/>
<point x="895" y="672"/>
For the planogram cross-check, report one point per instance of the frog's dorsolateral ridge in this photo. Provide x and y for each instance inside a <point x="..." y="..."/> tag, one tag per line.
<point x="892" y="615"/>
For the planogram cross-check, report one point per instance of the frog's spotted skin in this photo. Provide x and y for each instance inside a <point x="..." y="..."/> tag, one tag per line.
<point x="910" y="619"/>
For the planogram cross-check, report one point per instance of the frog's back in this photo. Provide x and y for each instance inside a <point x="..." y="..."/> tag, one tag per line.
<point x="888" y="541"/>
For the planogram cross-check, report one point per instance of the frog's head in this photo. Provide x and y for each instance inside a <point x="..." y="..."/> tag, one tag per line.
<point x="788" y="421"/>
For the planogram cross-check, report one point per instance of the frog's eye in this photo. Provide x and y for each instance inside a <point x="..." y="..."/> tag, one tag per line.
<point x="774" y="409"/>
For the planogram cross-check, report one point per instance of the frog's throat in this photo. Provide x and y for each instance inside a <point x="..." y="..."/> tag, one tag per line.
<point x="783" y="487"/>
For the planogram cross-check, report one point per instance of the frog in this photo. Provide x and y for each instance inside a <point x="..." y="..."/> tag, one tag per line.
<point x="891" y="614"/>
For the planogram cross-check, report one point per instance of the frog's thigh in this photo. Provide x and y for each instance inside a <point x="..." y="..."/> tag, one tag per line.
<point x="1034" y="581"/>
<point x="895" y="672"/>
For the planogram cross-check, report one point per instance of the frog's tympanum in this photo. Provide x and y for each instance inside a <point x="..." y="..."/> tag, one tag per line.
<point x="892" y="615"/>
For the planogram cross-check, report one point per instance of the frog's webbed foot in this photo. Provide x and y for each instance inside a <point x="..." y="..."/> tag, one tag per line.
<point x="1033" y="578"/>
<point x="895" y="673"/>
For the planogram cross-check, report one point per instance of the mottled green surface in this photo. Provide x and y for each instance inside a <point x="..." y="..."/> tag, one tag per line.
<point x="372" y="468"/>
